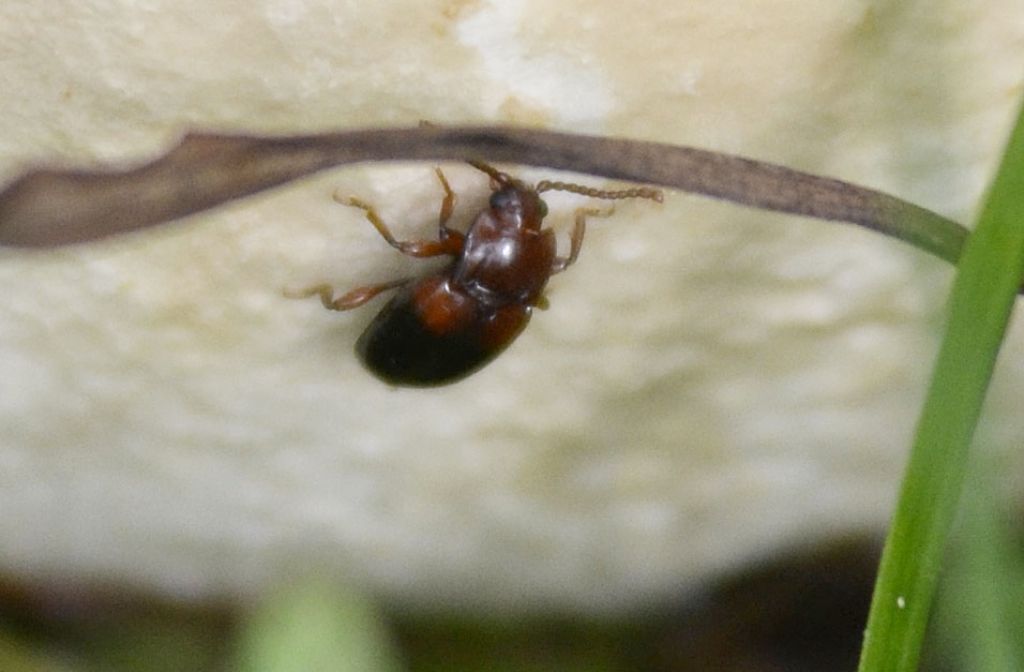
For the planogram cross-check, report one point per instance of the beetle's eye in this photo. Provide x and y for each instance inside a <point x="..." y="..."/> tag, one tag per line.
<point x="542" y="208"/>
<point x="501" y="200"/>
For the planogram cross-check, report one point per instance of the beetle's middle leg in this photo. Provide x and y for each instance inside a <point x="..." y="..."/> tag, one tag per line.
<point x="450" y="245"/>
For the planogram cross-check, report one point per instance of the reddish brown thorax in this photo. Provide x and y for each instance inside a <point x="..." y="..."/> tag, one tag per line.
<point x="507" y="257"/>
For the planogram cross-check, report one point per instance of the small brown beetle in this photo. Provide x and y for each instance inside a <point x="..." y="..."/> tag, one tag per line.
<point x="441" y="328"/>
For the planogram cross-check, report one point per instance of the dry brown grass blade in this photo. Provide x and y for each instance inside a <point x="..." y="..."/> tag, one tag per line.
<point x="48" y="207"/>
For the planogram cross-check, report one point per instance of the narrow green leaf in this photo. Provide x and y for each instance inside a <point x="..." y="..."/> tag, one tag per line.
<point x="990" y="273"/>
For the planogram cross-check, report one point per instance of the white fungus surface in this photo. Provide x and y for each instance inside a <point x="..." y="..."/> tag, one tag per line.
<point x="711" y="386"/>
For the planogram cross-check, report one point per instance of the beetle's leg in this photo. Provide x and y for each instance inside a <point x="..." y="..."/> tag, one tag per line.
<point x="562" y="263"/>
<point x="447" y="207"/>
<point x="414" y="248"/>
<point x="347" y="301"/>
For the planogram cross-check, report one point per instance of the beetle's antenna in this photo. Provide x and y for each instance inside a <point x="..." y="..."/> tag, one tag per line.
<point x="495" y="174"/>
<point x="635" y="192"/>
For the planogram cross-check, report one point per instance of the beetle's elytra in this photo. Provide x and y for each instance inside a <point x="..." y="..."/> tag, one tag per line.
<point x="441" y="328"/>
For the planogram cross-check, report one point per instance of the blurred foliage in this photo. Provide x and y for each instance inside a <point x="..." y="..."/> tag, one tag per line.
<point x="18" y="656"/>
<point x="316" y="627"/>
<point x="803" y="614"/>
<point x="981" y="609"/>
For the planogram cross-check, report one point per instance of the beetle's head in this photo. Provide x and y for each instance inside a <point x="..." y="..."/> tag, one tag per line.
<point x="514" y="200"/>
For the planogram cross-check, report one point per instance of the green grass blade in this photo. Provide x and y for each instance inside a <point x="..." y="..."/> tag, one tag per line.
<point x="989" y="275"/>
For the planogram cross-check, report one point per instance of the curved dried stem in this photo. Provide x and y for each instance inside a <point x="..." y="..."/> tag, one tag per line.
<point x="50" y="207"/>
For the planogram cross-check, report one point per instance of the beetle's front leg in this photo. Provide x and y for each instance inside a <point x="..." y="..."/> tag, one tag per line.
<point x="576" y="239"/>
<point x="447" y="207"/>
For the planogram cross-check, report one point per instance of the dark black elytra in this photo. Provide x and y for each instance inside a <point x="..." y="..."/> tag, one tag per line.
<point x="399" y="348"/>
<point x="440" y="328"/>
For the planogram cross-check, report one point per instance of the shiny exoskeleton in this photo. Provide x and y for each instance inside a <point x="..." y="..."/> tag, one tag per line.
<point x="440" y="328"/>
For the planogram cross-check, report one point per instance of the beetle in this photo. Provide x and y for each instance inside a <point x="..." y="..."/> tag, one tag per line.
<point x="440" y="328"/>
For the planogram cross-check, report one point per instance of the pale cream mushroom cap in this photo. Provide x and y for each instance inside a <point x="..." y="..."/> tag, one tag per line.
<point x="712" y="385"/>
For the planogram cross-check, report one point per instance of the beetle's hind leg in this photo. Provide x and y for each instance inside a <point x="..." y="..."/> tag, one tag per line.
<point x="450" y="245"/>
<point x="347" y="301"/>
<point x="576" y="239"/>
